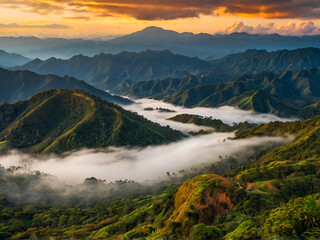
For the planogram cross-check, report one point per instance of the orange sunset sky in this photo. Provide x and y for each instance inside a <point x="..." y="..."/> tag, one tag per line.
<point x="83" y="18"/>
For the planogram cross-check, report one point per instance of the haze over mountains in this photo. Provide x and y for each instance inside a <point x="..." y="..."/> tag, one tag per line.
<point x="203" y="45"/>
<point x="11" y="59"/>
<point x="20" y="85"/>
<point x="106" y="70"/>
<point x="75" y="134"/>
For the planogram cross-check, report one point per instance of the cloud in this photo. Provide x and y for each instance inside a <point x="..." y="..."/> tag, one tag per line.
<point x="48" y="26"/>
<point x="291" y="28"/>
<point x="141" y="164"/>
<point x="152" y="162"/>
<point x="227" y="114"/>
<point x="168" y="9"/>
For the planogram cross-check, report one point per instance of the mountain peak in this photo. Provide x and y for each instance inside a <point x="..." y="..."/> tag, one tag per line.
<point x="83" y="120"/>
<point x="153" y="29"/>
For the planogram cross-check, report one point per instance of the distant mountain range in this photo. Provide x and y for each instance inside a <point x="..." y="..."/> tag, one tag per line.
<point x="12" y="59"/>
<point x="107" y="70"/>
<point x="202" y="45"/>
<point x="20" y="85"/>
<point x="254" y="61"/>
<point x="63" y="120"/>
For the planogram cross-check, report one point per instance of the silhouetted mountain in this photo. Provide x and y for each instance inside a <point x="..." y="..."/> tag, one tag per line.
<point x="11" y="59"/>
<point x="33" y="47"/>
<point x="106" y="70"/>
<point x="209" y="46"/>
<point x="63" y="120"/>
<point x="20" y="85"/>
<point x="202" y="45"/>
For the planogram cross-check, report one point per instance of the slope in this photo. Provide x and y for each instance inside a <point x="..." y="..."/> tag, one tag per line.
<point x="63" y="120"/>
<point x="20" y="85"/>
<point x="254" y="61"/>
<point x="107" y="70"/>
<point x="157" y="89"/>
<point x="12" y="59"/>
<point x="291" y="93"/>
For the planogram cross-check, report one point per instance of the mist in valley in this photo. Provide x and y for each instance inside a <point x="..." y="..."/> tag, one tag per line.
<point x="226" y="114"/>
<point x="121" y="171"/>
<point x="141" y="164"/>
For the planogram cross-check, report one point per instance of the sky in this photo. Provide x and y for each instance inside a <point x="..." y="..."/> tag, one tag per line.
<point x="85" y="18"/>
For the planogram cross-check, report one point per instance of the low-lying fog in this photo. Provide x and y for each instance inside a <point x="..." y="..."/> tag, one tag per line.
<point x="152" y="163"/>
<point x="149" y="163"/>
<point x="227" y="114"/>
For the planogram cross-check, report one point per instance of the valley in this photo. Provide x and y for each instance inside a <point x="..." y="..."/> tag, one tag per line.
<point x="159" y="134"/>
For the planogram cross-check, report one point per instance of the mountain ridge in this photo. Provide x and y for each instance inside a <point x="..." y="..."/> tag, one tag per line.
<point x="202" y="45"/>
<point x="63" y="120"/>
<point x="20" y="85"/>
<point x="107" y="70"/>
<point x="12" y="59"/>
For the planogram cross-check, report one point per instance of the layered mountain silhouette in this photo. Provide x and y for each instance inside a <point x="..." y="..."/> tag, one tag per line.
<point x="202" y="45"/>
<point x="107" y="70"/>
<point x="20" y="85"/>
<point x="64" y="120"/>
<point x="12" y="59"/>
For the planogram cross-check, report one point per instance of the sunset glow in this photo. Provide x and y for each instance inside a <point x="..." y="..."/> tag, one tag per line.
<point x="73" y="18"/>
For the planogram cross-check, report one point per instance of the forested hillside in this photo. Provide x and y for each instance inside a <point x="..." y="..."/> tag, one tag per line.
<point x="64" y="120"/>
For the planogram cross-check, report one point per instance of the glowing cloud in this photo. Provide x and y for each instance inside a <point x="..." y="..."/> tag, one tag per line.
<point x="166" y="10"/>
<point x="291" y="28"/>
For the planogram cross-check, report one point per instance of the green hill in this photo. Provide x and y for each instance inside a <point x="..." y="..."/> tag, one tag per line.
<point x="157" y="89"/>
<point x="255" y="61"/>
<point x="217" y="124"/>
<point x="20" y="85"/>
<point x="63" y="120"/>
<point x="306" y="144"/>
<point x="292" y="93"/>
<point x="274" y="195"/>
<point x="107" y="70"/>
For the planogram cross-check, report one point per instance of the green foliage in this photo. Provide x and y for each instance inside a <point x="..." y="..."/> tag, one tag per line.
<point x="275" y="195"/>
<point x="158" y="89"/>
<point x="203" y="232"/>
<point x="297" y="218"/>
<point x="217" y="124"/>
<point x="292" y="93"/>
<point x="81" y="121"/>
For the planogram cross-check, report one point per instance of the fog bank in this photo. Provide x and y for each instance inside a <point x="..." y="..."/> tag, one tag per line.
<point x="139" y="164"/>
<point x="227" y="114"/>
